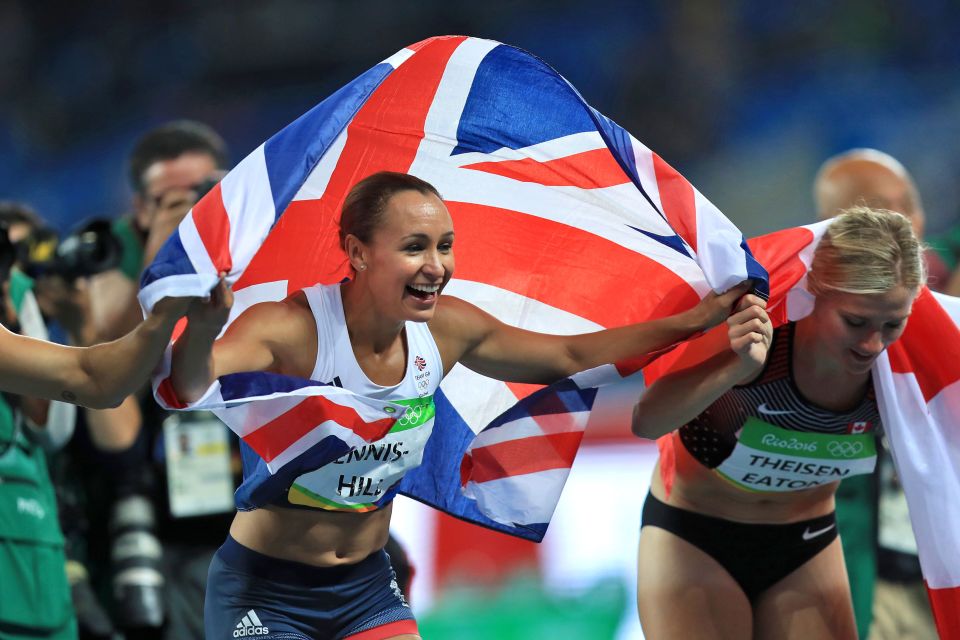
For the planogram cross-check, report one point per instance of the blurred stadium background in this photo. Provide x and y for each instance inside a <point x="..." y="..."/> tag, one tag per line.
<point x="744" y="97"/>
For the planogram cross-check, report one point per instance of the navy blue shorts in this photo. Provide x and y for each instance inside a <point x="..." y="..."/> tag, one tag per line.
<point x="250" y="595"/>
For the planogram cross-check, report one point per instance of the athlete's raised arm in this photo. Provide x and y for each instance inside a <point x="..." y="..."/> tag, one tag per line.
<point x="99" y="376"/>
<point x="737" y="355"/>
<point x="270" y="336"/>
<point x="501" y="351"/>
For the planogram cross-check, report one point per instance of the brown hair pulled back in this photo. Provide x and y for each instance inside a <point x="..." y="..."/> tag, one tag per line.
<point x="363" y="207"/>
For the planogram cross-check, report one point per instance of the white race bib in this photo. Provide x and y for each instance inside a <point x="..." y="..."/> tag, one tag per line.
<point x="769" y="458"/>
<point x="358" y="479"/>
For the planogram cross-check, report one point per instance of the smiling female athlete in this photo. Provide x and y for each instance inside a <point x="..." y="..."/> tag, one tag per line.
<point x="312" y="565"/>
<point x="744" y="544"/>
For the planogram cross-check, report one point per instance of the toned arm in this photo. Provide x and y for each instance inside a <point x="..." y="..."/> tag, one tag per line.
<point x="99" y="376"/>
<point x="272" y="336"/>
<point x="495" y="349"/>
<point x="725" y="359"/>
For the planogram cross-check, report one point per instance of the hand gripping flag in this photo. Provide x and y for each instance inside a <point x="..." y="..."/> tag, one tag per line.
<point x="917" y="380"/>
<point x="565" y="224"/>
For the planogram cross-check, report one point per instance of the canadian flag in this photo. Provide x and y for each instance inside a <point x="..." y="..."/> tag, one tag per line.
<point x="858" y="427"/>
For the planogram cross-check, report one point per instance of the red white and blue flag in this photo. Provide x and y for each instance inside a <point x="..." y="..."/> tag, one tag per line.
<point x="565" y="224"/>
<point x="917" y="380"/>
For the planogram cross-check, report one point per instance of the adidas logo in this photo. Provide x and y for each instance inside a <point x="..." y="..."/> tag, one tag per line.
<point x="250" y="626"/>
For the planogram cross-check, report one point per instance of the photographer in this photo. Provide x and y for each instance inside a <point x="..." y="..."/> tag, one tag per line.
<point x="171" y="481"/>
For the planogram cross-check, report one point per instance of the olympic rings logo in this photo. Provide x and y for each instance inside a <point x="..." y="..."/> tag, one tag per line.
<point x="840" y="449"/>
<point x="412" y="416"/>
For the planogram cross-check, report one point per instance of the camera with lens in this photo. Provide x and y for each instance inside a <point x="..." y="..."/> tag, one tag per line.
<point x="203" y="187"/>
<point x="137" y="556"/>
<point x="89" y="250"/>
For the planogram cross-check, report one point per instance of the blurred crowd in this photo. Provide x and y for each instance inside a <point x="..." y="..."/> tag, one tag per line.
<point x="729" y="93"/>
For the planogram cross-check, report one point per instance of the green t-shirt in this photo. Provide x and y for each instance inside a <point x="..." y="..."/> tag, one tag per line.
<point x="27" y="504"/>
<point x="131" y="255"/>
<point x="34" y="593"/>
<point x="20" y="283"/>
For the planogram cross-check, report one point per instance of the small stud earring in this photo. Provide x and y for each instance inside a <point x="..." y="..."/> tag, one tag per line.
<point x="363" y="267"/>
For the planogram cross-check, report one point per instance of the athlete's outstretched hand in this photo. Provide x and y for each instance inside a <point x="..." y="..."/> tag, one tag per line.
<point x="172" y="308"/>
<point x="210" y="314"/>
<point x="750" y="332"/>
<point x="716" y="307"/>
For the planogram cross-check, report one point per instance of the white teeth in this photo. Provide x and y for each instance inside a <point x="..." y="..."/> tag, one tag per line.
<point x="426" y="288"/>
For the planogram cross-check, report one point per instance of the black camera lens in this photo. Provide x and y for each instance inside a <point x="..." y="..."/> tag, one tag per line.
<point x="204" y="187"/>
<point x="90" y="250"/>
<point x="137" y="556"/>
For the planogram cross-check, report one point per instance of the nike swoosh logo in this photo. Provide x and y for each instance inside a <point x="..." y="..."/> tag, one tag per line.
<point x="772" y="412"/>
<point x="810" y="535"/>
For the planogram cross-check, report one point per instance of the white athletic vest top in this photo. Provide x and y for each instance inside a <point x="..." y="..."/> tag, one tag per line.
<point x="366" y="477"/>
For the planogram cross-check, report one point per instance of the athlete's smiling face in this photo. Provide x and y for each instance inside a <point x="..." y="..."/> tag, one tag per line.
<point x="410" y="256"/>
<point x="854" y="329"/>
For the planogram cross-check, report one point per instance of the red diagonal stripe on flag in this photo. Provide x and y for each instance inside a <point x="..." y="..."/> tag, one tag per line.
<point x="587" y="170"/>
<point x="213" y="226"/>
<point x="303" y="248"/>
<point x="522" y="389"/>
<point x="677" y="199"/>
<point x="276" y="436"/>
<point x="584" y="274"/>
<point x="522" y="456"/>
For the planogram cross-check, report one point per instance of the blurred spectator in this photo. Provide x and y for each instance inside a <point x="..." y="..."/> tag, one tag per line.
<point x="167" y="167"/>
<point x="20" y="221"/>
<point x="36" y="596"/>
<point x="875" y="509"/>
<point x="876" y="179"/>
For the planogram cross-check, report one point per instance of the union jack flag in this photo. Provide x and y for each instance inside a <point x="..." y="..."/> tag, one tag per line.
<point x="565" y="224"/>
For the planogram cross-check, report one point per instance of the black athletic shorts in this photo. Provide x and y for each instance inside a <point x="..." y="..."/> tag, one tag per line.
<point x="757" y="556"/>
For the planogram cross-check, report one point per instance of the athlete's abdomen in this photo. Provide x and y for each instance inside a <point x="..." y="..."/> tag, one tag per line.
<point x="702" y="490"/>
<point x="316" y="537"/>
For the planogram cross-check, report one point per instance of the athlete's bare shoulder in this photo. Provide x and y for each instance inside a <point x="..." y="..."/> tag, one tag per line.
<point x="456" y="315"/>
<point x="296" y="311"/>
<point x="273" y="315"/>
<point x="297" y="303"/>
<point x="285" y="324"/>
<point x="458" y="326"/>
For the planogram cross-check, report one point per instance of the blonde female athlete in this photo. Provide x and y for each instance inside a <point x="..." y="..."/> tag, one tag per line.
<point x="744" y="543"/>
<point x="311" y="565"/>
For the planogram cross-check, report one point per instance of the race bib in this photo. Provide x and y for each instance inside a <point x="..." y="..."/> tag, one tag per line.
<point x="768" y="458"/>
<point x="199" y="478"/>
<point x="361" y="477"/>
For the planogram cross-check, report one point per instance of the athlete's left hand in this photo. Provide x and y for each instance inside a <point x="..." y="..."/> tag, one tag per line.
<point x="750" y="332"/>
<point x="210" y="314"/>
